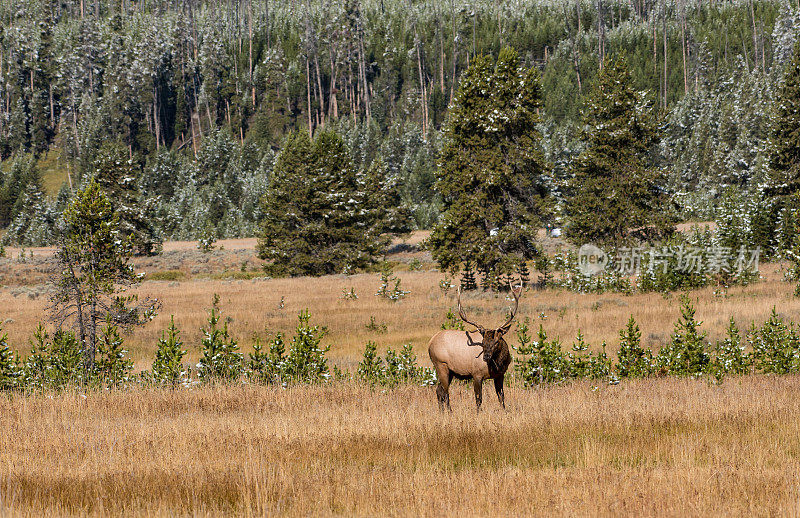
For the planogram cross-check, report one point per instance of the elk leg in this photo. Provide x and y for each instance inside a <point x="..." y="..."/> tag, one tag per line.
<point x="478" y="386"/>
<point x="498" y="386"/>
<point x="443" y="390"/>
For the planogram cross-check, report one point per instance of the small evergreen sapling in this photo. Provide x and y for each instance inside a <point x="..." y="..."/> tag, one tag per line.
<point x="168" y="367"/>
<point x="306" y="361"/>
<point x="632" y="359"/>
<point x="221" y="360"/>
<point x="730" y="355"/>
<point x="266" y="367"/>
<point x="9" y="366"/>
<point x="776" y="347"/>
<point x="686" y="355"/>
<point x="112" y="368"/>
<point x="370" y="368"/>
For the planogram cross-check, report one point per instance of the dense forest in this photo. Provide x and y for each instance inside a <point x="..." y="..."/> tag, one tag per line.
<point x="188" y="103"/>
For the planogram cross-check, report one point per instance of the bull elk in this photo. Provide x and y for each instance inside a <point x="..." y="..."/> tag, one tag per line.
<point x="453" y="356"/>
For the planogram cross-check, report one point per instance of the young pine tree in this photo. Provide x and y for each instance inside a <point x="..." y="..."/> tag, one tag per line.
<point x="9" y="365"/>
<point x="686" y="355"/>
<point x="168" y="367"/>
<point x="632" y="359"/>
<point x="492" y="172"/>
<point x="112" y="367"/>
<point x="221" y="359"/>
<point x="614" y="188"/>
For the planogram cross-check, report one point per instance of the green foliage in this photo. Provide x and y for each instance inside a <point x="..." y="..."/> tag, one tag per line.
<point x="376" y="327"/>
<point x="785" y="137"/>
<point x="468" y="277"/>
<point x="265" y="367"/>
<point x="390" y="286"/>
<point x="168" y="366"/>
<point x="117" y="176"/>
<point x="10" y="371"/>
<point x="112" y="369"/>
<point x="730" y="357"/>
<point x="207" y="239"/>
<point x="54" y="364"/>
<point x="686" y="354"/>
<point x="371" y="369"/>
<point x="492" y="171"/>
<point x="775" y="346"/>
<point x="221" y="359"/>
<point x="614" y="188"/>
<point x="306" y="361"/>
<point x="397" y="368"/>
<point x="452" y="321"/>
<point x="318" y="219"/>
<point x="540" y="360"/>
<point x="633" y="360"/>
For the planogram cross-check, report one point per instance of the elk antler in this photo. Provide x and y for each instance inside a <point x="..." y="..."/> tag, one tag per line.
<point x="516" y="293"/>
<point x="462" y="314"/>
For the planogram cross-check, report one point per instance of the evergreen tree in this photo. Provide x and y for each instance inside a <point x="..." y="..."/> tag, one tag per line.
<point x="317" y="216"/>
<point x="113" y="368"/>
<point x="94" y="267"/>
<point x="116" y="174"/>
<point x="686" y="355"/>
<point x="221" y="360"/>
<point x="632" y="359"/>
<point x="167" y="366"/>
<point x="614" y="189"/>
<point x="785" y="141"/>
<point x="492" y="174"/>
<point x="9" y="365"/>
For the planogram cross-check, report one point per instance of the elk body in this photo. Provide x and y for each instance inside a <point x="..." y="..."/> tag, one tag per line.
<point x="478" y="355"/>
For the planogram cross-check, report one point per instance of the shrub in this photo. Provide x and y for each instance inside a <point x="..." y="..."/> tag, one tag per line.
<point x="730" y="357"/>
<point x="54" y="364"/>
<point x="775" y="346"/>
<point x="221" y="358"/>
<point x="452" y="321"/>
<point x="10" y="371"/>
<point x="112" y="369"/>
<point x="265" y="367"/>
<point x="168" y="367"/>
<point x="686" y="354"/>
<point x="370" y="368"/>
<point x="545" y="362"/>
<point x="306" y="362"/>
<point x="386" y="290"/>
<point x="397" y="368"/>
<point x="632" y="359"/>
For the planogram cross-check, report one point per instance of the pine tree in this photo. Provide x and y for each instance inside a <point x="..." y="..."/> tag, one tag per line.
<point x="492" y="173"/>
<point x="632" y="359"/>
<point x="468" y="277"/>
<point x="614" y="189"/>
<point x="317" y="218"/>
<point x="785" y="138"/>
<point x="117" y="175"/>
<point x="9" y="365"/>
<point x="94" y="268"/>
<point x="686" y="355"/>
<point x="112" y="367"/>
<point x="167" y="366"/>
<point x="221" y="359"/>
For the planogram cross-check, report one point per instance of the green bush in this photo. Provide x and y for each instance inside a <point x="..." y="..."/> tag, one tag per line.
<point x="221" y="359"/>
<point x="541" y="361"/>
<point x="54" y="364"/>
<point x="265" y="367"/>
<point x="686" y="355"/>
<point x="112" y="369"/>
<point x="306" y="361"/>
<point x="730" y="357"/>
<point x="167" y="367"/>
<point x="775" y="346"/>
<point x="397" y="368"/>
<point x="633" y="361"/>
<point x="10" y="370"/>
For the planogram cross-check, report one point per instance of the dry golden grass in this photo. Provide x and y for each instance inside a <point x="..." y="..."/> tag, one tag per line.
<point x="662" y="447"/>
<point x="254" y="305"/>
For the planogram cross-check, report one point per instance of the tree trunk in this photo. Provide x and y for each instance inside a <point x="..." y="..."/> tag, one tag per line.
<point x="308" y="92"/>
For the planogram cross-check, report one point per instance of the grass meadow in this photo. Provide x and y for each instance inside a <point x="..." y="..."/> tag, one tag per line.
<point x="655" y="447"/>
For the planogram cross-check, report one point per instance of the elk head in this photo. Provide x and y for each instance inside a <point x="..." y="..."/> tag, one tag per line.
<point x="492" y="341"/>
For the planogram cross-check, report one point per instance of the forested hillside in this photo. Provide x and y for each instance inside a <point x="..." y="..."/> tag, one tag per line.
<point x="185" y="104"/>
